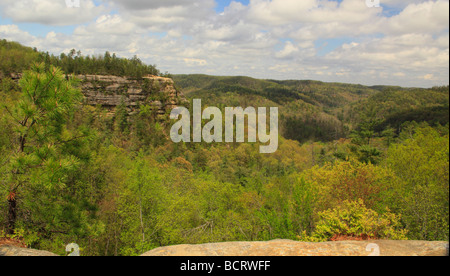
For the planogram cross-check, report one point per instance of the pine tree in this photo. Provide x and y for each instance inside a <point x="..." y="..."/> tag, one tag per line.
<point x="39" y="118"/>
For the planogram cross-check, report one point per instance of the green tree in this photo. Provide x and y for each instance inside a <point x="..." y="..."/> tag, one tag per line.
<point x="422" y="196"/>
<point x="388" y="135"/>
<point x="121" y="116"/>
<point x="351" y="181"/>
<point x="39" y="118"/>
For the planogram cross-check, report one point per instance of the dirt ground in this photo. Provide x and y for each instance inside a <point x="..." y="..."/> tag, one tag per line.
<point x="16" y="243"/>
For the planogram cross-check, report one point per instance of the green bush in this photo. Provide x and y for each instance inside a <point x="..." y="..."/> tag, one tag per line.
<point x="352" y="220"/>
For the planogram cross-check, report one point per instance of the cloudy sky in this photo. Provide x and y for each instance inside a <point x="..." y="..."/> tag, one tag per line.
<point x="399" y="43"/>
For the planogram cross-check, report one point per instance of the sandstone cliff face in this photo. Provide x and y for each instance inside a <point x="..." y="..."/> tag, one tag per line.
<point x="111" y="91"/>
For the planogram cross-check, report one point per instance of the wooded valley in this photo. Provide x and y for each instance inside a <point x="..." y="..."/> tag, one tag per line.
<point x="353" y="162"/>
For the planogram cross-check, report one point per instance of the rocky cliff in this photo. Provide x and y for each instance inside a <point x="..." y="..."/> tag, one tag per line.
<point x="111" y="91"/>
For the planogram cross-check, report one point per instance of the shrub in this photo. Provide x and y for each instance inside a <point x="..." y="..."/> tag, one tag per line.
<point x="353" y="220"/>
<point x="351" y="181"/>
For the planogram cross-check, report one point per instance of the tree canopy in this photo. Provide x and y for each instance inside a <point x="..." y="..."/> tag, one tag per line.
<point x="353" y="162"/>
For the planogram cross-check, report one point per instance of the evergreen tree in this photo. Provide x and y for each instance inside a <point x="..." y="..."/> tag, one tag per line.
<point x="39" y="119"/>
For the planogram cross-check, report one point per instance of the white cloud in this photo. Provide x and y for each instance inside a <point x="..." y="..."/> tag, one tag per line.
<point x="154" y="4"/>
<point x="50" y="12"/>
<point x="429" y="77"/>
<point x="14" y="33"/>
<point x="108" y="24"/>
<point x="195" y="62"/>
<point x="161" y="15"/>
<point x="280" y="11"/>
<point x="400" y="4"/>
<point x="427" y="17"/>
<point x="410" y="54"/>
<point x="289" y="51"/>
<point x="266" y="39"/>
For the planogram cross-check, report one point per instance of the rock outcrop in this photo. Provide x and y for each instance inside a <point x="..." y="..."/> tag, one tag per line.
<point x="280" y="248"/>
<point x="111" y="91"/>
<point x="12" y="251"/>
<point x="293" y="248"/>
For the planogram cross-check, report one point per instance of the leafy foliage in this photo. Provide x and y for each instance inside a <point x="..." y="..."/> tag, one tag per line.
<point x="14" y="58"/>
<point x="353" y="162"/>
<point x="422" y="163"/>
<point x="354" y="220"/>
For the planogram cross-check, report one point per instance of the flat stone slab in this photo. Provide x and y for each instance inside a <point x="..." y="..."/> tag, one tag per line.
<point x="280" y="248"/>
<point x="293" y="248"/>
<point x="11" y="251"/>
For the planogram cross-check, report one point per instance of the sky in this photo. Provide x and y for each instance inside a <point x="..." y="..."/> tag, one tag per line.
<point x="403" y="43"/>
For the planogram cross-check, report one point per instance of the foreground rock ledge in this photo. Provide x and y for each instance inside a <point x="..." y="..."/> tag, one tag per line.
<point x="280" y="248"/>
<point x="8" y="251"/>
<point x="293" y="248"/>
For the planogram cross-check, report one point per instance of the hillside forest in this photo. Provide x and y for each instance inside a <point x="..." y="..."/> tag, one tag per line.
<point x="354" y="162"/>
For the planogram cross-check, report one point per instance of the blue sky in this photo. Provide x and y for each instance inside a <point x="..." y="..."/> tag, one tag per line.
<point x="221" y="4"/>
<point x="401" y="43"/>
<point x="38" y="29"/>
<point x="42" y="30"/>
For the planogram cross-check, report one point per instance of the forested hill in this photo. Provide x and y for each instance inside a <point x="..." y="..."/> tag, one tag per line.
<point x="14" y="58"/>
<point x="353" y="162"/>
<point x="310" y="110"/>
<point x="314" y="110"/>
<point x="327" y="95"/>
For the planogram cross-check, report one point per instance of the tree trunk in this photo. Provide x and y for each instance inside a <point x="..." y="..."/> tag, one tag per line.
<point x="12" y="214"/>
<point x="142" y="221"/>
